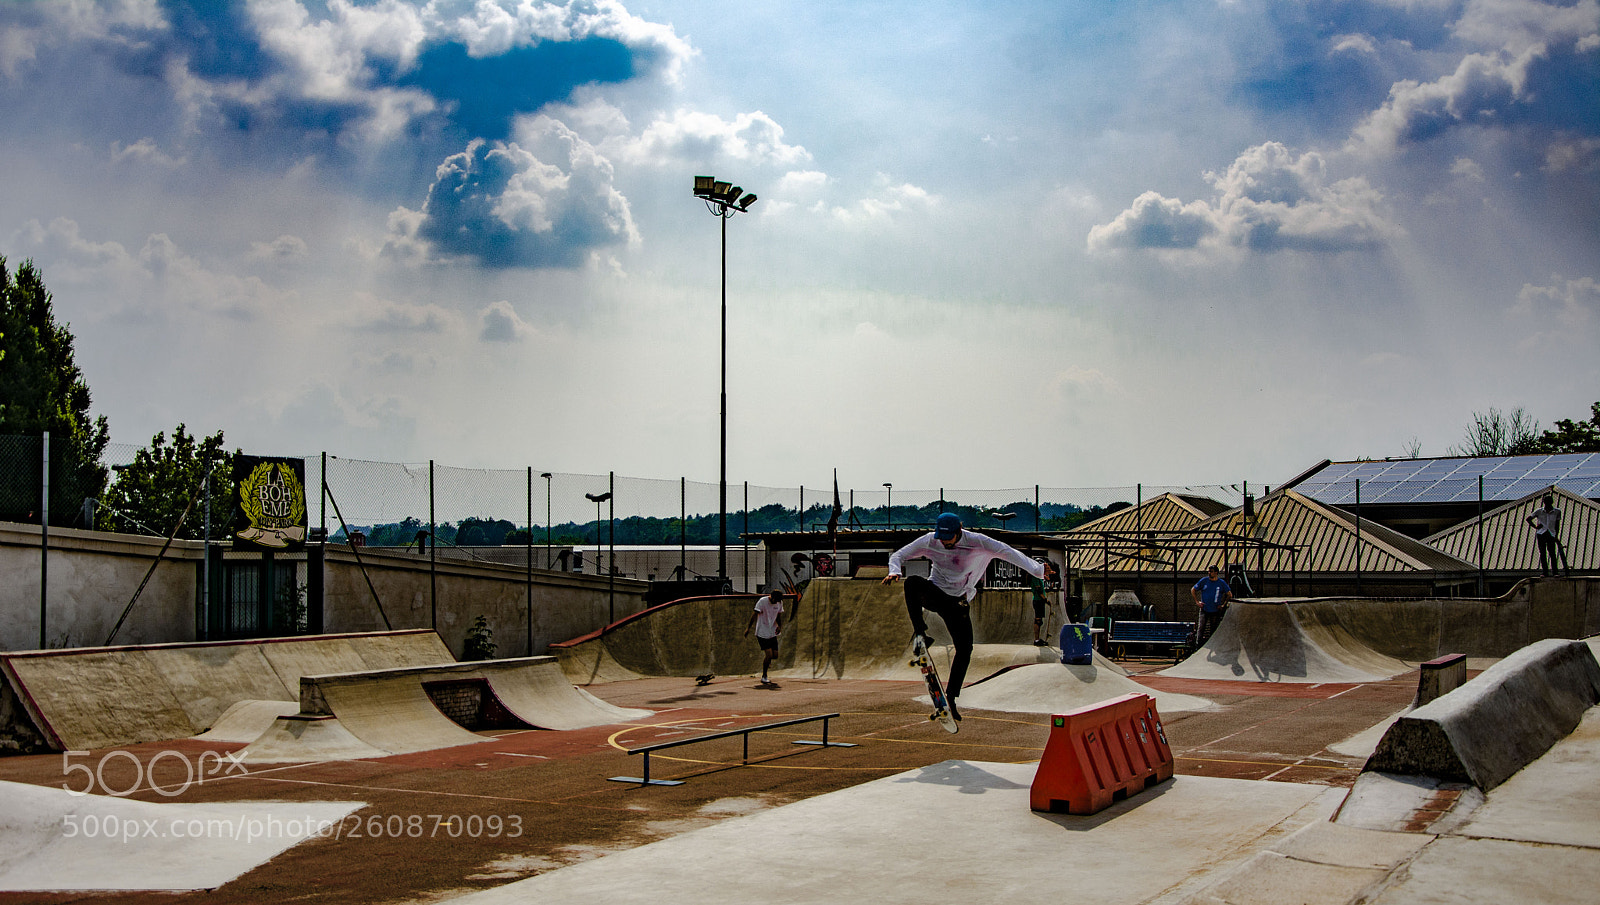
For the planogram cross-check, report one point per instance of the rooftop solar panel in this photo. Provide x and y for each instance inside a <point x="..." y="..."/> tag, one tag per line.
<point x="1453" y="479"/>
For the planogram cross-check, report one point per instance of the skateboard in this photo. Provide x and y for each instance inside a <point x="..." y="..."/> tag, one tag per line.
<point x="922" y="661"/>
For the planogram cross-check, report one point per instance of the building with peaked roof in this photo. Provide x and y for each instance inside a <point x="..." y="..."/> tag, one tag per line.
<point x="1285" y="544"/>
<point x="1501" y="542"/>
<point x="1167" y="512"/>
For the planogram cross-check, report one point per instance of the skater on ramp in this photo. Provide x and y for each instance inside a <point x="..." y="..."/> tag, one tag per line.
<point x="959" y="560"/>
<point x="1211" y="595"/>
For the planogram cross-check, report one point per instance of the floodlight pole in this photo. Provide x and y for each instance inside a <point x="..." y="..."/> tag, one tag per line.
<point x="723" y="200"/>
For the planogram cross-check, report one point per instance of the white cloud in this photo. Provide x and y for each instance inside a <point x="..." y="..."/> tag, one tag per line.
<point x="160" y="280"/>
<point x="1518" y="25"/>
<point x="691" y="135"/>
<point x="146" y="151"/>
<point x="283" y="248"/>
<point x="1268" y="200"/>
<point x="1357" y="44"/>
<point x="1482" y="87"/>
<point x="489" y="28"/>
<point x="1570" y="307"/>
<point x="502" y="324"/>
<point x="546" y="202"/>
<point x="890" y="199"/>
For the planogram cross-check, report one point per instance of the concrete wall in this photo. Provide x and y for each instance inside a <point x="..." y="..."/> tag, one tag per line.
<point x="93" y="575"/>
<point x="565" y="604"/>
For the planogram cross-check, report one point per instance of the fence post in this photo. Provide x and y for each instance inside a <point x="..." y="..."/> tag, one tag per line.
<point x="433" y="558"/>
<point x="44" y="540"/>
<point x="529" y="561"/>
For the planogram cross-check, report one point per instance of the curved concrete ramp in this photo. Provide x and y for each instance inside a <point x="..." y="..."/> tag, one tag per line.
<point x="375" y="714"/>
<point x="1058" y="687"/>
<point x="1282" y="641"/>
<point x="245" y="721"/>
<point x="841" y="628"/>
<point x="1361" y="639"/>
<point x="304" y="739"/>
<point x="101" y="697"/>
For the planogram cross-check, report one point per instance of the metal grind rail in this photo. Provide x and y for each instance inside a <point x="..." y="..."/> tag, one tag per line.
<point x="646" y="749"/>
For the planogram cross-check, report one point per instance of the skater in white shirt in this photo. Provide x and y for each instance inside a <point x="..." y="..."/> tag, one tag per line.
<point x="959" y="560"/>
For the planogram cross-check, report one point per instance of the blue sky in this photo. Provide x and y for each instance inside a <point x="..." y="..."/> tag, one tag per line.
<point x="997" y="245"/>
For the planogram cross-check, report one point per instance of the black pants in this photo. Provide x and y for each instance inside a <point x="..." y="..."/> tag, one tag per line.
<point x="1207" y="624"/>
<point x="1551" y="555"/>
<point x="922" y="594"/>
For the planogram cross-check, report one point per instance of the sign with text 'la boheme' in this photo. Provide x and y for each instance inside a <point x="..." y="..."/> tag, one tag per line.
<point x="271" y="512"/>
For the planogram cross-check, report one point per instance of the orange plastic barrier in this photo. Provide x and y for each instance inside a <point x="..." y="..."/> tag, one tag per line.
<point x="1100" y="754"/>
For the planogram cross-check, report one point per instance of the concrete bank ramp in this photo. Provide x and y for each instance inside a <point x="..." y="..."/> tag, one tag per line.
<point x="403" y="711"/>
<point x="1363" y="639"/>
<point x="1057" y="687"/>
<point x="841" y="628"/>
<point x="1497" y="723"/>
<point x="101" y="697"/>
<point x="1282" y="641"/>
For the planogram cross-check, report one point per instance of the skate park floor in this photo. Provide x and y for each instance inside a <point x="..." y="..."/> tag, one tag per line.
<point x="909" y="814"/>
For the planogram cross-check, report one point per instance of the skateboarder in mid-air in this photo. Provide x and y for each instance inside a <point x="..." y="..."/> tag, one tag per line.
<point x="959" y="560"/>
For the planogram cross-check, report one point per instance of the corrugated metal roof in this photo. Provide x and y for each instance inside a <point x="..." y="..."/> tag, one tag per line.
<point x="1507" y="539"/>
<point x="1167" y="512"/>
<point x="1325" y="540"/>
<point x="1451" y="480"/>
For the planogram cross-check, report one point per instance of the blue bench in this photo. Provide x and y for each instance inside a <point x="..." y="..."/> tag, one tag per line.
<point x="1176" y="638"/>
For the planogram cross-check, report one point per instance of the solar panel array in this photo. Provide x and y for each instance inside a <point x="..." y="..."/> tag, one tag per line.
<point x="1453" y="480"/>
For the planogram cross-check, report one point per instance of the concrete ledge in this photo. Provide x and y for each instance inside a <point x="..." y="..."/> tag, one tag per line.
<point x="1499" y="722"/>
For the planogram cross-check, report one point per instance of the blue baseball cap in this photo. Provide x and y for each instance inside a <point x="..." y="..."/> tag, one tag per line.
<point x="948" y="526"/>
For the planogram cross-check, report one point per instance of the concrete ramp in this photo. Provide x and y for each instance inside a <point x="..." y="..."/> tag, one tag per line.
<point x="403" y="711"/>
<point x="841" y="628"/>
<point x="1281" y="641"/>
<point x="88" y="698"/>
<point x="245" y="721"/>
<point x="1058" y="687"/>
<point x="1497" y="723"/>
<point x="1362" y="639"/>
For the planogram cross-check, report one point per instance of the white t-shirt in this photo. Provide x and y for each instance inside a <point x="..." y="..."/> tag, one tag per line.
<point x="1547" y="521"/>
<point x="767" y="613"/>
<point x="958" y="570"/>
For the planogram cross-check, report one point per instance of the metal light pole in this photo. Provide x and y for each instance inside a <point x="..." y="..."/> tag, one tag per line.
<point x="888" y="487"/>
<point x="723" y="199"/>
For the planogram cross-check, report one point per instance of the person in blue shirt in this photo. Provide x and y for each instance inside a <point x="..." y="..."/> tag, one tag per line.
<point x="1211" y="596"/>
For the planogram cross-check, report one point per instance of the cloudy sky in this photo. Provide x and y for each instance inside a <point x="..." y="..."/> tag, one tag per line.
<point x="998" y="244"/>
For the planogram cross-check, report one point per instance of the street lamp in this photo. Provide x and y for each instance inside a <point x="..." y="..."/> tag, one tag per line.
<point x="723" y="199"/>
<point x="597" y="499"/>
<point x="889" y="486"/>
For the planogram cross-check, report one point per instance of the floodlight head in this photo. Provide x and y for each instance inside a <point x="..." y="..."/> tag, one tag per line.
<point x="703" y="186"/>
<point x="719" y="190"/>
<point x="744" y="204"/>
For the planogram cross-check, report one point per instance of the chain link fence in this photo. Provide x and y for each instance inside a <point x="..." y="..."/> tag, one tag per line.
<point x="392" y="503"/>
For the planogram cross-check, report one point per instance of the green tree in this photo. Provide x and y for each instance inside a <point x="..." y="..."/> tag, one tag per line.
<point x="1496" y="433"/>
<point x="1570" y="436"/>
<point x="42" y="389"/>
<point x="149" y="495"/>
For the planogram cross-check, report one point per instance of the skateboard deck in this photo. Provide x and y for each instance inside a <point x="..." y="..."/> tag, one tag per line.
<point x="930" y="674"/>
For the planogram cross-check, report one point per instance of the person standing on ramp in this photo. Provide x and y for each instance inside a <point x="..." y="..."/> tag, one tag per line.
<point x="959" y="560"/>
